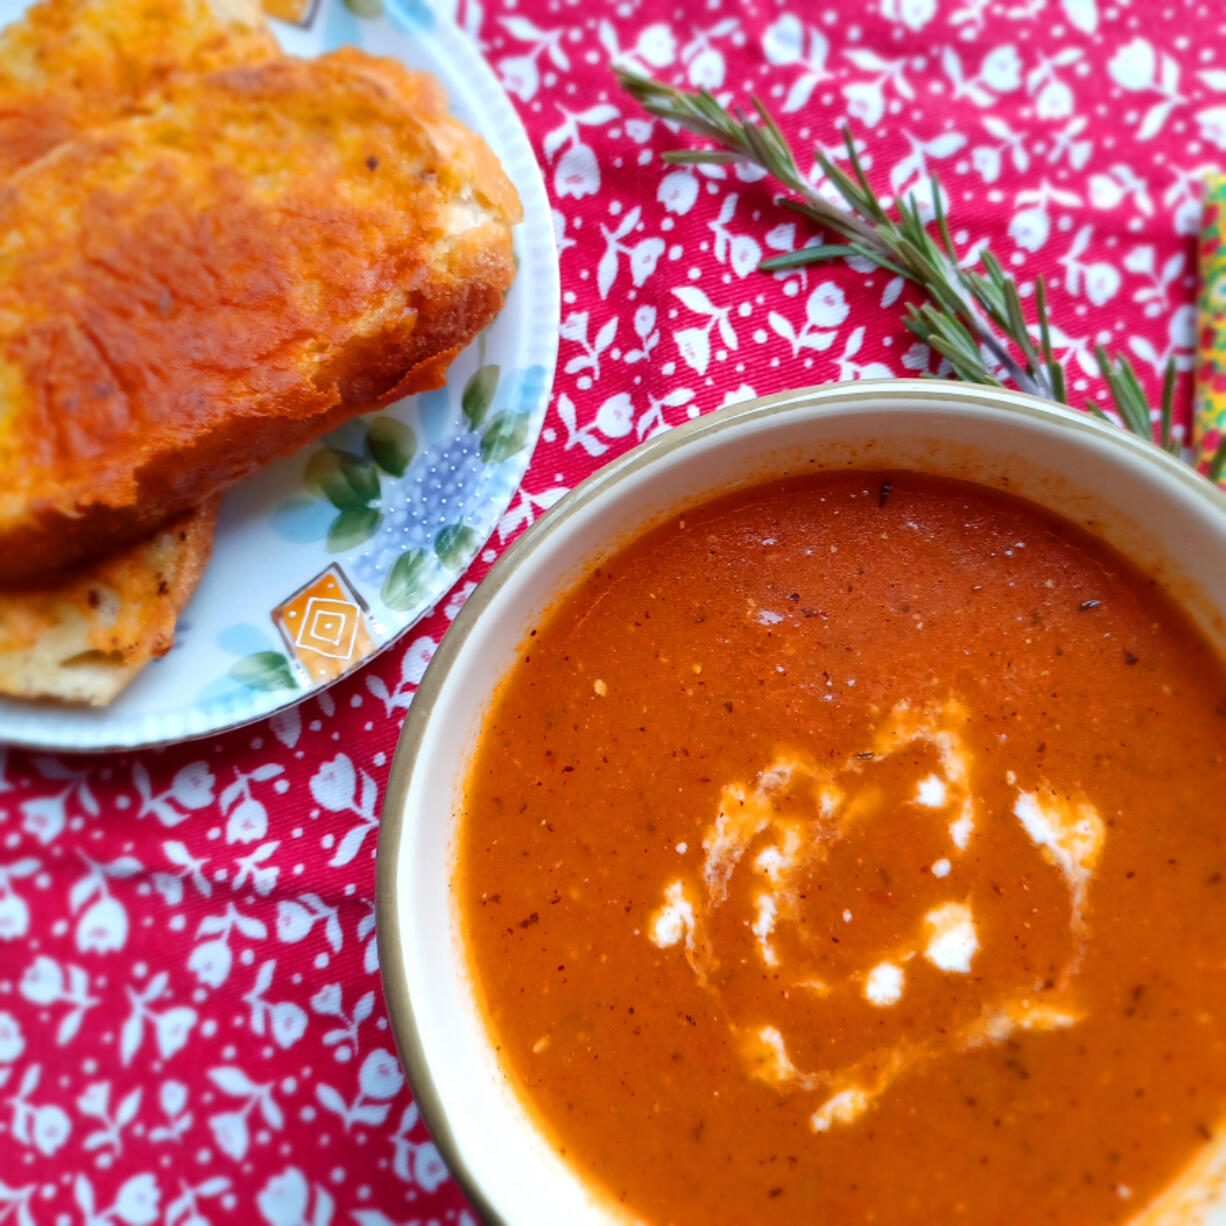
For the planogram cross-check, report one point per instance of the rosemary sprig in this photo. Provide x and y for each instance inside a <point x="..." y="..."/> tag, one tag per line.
<point x="974" y="319"/>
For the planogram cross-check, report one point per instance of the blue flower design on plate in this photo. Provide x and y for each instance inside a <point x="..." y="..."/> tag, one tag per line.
<point x="402" y="500"/>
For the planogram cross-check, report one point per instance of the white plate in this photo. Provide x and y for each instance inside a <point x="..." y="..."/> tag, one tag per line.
<point x="234" y="659"/>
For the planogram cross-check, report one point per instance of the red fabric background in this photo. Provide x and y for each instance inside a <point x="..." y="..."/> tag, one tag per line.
<point x="191" y="1027"/>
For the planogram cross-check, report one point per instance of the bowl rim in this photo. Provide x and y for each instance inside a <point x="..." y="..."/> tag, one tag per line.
<point x="389" y="915"/>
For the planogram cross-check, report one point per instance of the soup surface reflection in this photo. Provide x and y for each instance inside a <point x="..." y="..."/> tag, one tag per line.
<point x="852" y="849"/>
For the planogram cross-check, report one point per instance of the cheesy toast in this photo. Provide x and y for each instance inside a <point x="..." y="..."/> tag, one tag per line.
<point x="66" y="66"/>
<point x="187" y="293"/>
<point x="83" y="637"/>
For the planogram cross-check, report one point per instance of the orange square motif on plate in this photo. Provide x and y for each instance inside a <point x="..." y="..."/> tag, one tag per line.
<point x="299" y="12"/>
<point x="324" y="625"/>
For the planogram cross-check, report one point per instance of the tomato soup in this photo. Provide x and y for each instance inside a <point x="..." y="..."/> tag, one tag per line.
<point x="853" y="849"/>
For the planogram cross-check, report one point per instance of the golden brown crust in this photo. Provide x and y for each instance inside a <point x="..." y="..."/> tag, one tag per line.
<point x="84" y="637"/>
<point x="67" y="66"/>
<point x="71" y="65"/>
<point x="195" y="532"/>
<point x="187" y="294"/>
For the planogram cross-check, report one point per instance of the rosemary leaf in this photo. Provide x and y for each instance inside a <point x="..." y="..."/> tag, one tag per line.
<point x="974" y="319"/>
<point x="1166" y="437"/>
<point x="805" y="255"/>
<point x="942" y="222"/>
<point x="700" y="157"/>
<point x="1054" y="370"/>
<point x="1217" y="466"/>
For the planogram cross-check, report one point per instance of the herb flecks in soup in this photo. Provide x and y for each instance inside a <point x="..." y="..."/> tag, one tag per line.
<point x="859" y="858"/>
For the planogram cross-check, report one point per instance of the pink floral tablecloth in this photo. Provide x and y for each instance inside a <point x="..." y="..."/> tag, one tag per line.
<point x="191" y="1025"/>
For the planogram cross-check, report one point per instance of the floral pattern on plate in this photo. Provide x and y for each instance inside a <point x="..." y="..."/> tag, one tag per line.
<point x="394" y="506"/>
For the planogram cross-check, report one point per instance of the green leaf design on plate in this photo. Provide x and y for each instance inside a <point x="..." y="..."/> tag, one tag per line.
<point x="454" y="544"/>
<point x="506" y="434"/>
<point x="264" y="670"/>
<point x="365" y="8"/>
<point x="402" y="587"/>
<point x="351" y="527"/>
<point x="391" y="444"/>
<point x="344" y="480"/>
<point x="363" y="478"/>
<point x="479" y="394"/>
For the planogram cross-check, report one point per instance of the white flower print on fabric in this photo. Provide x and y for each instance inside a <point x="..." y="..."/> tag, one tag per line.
<point x="825" y="309"/>
<point x="1138" y="67"/>
<point x="343" y="1037"/>
<point x="14" y="910"/>
<point x="102" y="925"/>
<point x="171" y="1026"/>
<point x="576" y="173"/>
<point x="231" y="1129"/>
<point x="574" y="328"/>
<point x="1119" y="183"/>
<point x="740" y="250"/>
<point x="191" y="788"/>
<point x="136" y="1203"/>
<point x="337" y="787"/>
<point x="525" y="510"/>
<point x="521" y="73"/>
<point x="366" y="932"/>
<point x="41" y="1127"/>
<point x="416" y="1162"/>
<point x="678" y="191"/>
<point x="379" y="1079"/>
<point x="866" y="100"/>
<point x="911" y="177"/>
<point x="289" y="1200"/>
<point x="46" y="816"/>
<point x="172" y="1098"/>
<point x="46" y="982"/>
<point x="1072" y="136"/>
<point x="296" y="919"/>
<point x="12" y="1042"/>
<point x="914" y="14"/>
<point x="655" y="47"/>
<point x="95" y="1102"/>
<point x="412" y="669"/>
<point x="211" y="960"/>
<point x="170" y="884"/>
<point x="789" y="43"/>
<point x="705" y="63"/>
<point x="255" y="871"/>
<point x="1099" y="280"/>
<point x="999" y="72"/>
<point x="15" y="1202"/>
<point x="849" y="368"/>
<point x="246" y="816"/>
<point x="1031" y="224"/>
<point x="284" y="1020"/>
<point x="694" y="343"/>
<point x="642" y="255"/>
<point x="1180" y="346"/>
<point x="1212" y="121"/>
<point x="1048" y="84"/>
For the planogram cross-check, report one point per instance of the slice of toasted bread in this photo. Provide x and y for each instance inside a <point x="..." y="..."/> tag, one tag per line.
<point x="185" y="295"/>
<point x="83" y="638"/>
<point x="70" y="65"/>
<point x="67" y="66"/>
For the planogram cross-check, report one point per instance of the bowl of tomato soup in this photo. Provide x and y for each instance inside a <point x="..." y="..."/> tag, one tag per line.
<point x="821" y="816"/>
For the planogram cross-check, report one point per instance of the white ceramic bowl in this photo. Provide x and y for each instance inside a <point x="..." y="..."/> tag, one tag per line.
<point x="1146" y="504"/>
